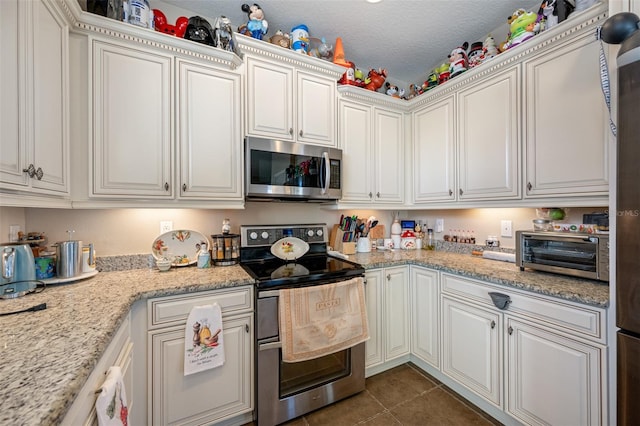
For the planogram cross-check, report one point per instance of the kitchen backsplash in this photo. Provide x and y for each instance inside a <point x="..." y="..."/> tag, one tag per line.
<point x="117" y="232"/>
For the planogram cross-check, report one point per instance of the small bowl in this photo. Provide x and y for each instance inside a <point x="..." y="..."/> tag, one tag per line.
<point x="163" y="265"/>
<point x="542" y="225"/>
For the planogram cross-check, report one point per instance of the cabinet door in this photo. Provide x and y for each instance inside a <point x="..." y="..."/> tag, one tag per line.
<point x="489" y="138"/>
<point x="209" y="133"/>
<point x="13" y="144"/>
<point x="269" y="100"/>
<point x="566" y="136"/>
<point x="434" y="152"/>
<point x="471" y="354"/>
<point x="396" y="312"/>
<point x="425" y="315"/>
<point x="373" y="294"/>
<point x="49" y="110"/>
<point x="389" y="156"/>
<point x="355" y="142"/>
<point x="132" y="122"/>
<point x="208" y="396"/>
<point x="552" y="379"/>
<point x="316" y="109"/>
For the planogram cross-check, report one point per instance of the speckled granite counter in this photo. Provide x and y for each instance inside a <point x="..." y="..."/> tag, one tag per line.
<point x="48" y="355"/>
<point x="503" y="273"/>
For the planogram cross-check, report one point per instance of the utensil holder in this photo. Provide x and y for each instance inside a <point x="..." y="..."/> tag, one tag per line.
<point x="363" y="245"/>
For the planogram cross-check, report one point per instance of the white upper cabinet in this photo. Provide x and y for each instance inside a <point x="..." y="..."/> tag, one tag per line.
<point x="372" y="143"/>
<point x="489" y="137"/>
<point x="209" y="132"/>
<point x="566" y="121"/>
<point x="34" y="98"/>
<point x="132" y="122"/>
<point x="434" y="152"/>
<point x="290" y="104"/>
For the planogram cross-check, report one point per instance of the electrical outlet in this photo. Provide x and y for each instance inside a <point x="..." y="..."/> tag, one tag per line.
<point x="166" y="226"/>
<point x="439" y="225"/>
<point x="506" y="228"/>
<point x="13" y="233"/>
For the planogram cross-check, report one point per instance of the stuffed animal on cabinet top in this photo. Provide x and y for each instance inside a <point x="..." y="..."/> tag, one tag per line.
<point x="458" y="61"/>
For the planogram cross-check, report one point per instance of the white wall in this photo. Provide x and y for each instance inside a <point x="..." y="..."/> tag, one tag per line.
<point x="132" y="231"/>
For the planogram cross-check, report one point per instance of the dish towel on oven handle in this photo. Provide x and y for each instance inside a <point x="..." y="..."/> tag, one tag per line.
<point x="111" y="404"/>
<point x="321" y="320"/>
<point x="203" y="340"/>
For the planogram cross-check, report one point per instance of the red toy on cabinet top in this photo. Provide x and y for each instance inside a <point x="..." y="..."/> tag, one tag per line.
<point x="160" y="21"/>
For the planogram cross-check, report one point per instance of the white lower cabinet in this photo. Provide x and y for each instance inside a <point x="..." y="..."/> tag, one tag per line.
<point x="119" y="353"/>
<point x="425" y="315"/>
<point x="552" y="379"/>
<point x="223" y="395"/>
<point x="551" y="353"/>
<point x="387" y="293"/>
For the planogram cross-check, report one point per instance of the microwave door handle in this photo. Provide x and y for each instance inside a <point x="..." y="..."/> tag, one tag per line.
<point x="327" y="173"/>
<point x="562" y="238"/>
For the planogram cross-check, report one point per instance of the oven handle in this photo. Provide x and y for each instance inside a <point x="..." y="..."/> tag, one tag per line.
<point x="269" y="346"/>
<point x="583" y="238"/>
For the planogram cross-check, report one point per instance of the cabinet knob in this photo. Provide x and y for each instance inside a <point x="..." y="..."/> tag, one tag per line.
<point x="39" y="173"/>
<point x="31" y="170"/>
<point x="246" y="328"/>
<point x="493" y="324"/>
<point x="450" y="193"/>
<point x="291" y="131"/>
<point x="378" y="194"/>
<point x="166" y="186"/>
<point x="184" y="187"/>
<point x="460" y="191"/>
<point x="529" y="186"/>
<point x="300" y="133"/>
<point x="510" y="330"/>
<point x="388" y="277"/>
<point x="370" y="195"/>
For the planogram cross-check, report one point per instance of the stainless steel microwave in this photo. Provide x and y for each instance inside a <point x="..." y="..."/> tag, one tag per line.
<point x="575" y="254"/>
<point x="289" y="171"/>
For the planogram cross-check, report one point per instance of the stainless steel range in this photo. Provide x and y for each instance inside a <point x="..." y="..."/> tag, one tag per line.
<point x="288" y="390"/>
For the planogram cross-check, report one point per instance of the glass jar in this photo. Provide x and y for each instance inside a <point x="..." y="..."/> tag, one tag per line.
<point x="431" y="242"/>
<point x="225" y="250"/>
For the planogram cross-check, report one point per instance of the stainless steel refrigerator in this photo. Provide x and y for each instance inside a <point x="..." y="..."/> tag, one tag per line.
<point x="623" y="29"/>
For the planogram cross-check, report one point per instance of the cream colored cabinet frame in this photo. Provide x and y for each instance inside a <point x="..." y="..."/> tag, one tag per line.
<point x="35" y="97"/>
<point x="286" y="103"/>
<point x="131" y="96"/>
<point x="425" y="315"/>
<point x="209" y="129"/>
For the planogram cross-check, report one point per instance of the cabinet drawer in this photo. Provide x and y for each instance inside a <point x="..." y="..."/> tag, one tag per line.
<point x="582" y="320"/>
<point x="174" y="310"/>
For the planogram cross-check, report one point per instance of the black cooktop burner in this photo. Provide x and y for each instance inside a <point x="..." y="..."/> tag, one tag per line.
<point x="308" y="270"/>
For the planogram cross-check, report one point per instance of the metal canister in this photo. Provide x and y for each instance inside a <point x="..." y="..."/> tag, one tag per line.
<point x="68" y="259"/>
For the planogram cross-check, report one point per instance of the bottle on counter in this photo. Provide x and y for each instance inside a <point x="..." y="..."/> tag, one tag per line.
<point x="431" y="242"/>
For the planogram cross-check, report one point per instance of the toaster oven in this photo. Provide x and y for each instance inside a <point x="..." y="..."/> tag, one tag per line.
<point x="575" y="254"/>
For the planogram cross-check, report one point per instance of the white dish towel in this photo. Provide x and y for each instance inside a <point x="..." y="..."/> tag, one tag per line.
<point x="203" y="342"/>
<point x="111" y="405"/>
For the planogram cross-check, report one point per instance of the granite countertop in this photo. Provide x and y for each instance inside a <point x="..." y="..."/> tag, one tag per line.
<point x="48" y="355"/>
<point x="590" y="292"/>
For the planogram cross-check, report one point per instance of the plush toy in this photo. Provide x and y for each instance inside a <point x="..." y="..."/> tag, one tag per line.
<point x="257" y="25"/>
<point x="443" y="73"/>
<point x="375" y="79"/>
<point x="323" y="50"/>
<point x="300" y="39"/>
<point x="552" y="12"/>
<point x="413" y="92"/>
<point x="160" y="22"/>
<point x="489" y="48"/>
<point x="522" y="26"/>
<point x="458" y="61"/>
<point x="392" y="90"/>
<point x="280" y="39"/>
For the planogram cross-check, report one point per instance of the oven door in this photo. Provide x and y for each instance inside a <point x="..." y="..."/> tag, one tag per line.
<point x="277" y="169"/>
<point x="288" y="390"/>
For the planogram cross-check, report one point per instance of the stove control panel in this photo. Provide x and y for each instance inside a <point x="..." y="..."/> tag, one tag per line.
<point x="261" y="235"/>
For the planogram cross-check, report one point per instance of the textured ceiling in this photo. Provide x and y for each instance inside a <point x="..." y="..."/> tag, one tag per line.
<point x="407" y="37"/>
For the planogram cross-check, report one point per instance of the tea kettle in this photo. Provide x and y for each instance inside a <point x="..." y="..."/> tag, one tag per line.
<point x="18" y="270"/>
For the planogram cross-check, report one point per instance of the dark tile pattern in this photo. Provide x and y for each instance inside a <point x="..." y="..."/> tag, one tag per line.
<point x="404" y="395"/>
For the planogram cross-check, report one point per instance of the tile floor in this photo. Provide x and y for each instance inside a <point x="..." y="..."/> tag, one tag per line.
<point x="404" y="395"/>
